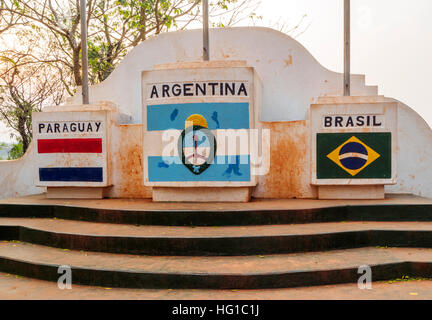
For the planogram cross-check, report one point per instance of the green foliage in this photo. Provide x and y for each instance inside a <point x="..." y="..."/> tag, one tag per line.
<point x="114" y="27"/>
<point x="17" y="151"/>
<point x="123" y="24"/>
<point x="99" y="60"/>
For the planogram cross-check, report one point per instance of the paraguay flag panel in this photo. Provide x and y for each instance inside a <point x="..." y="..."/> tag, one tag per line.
<point x="200" y="134"/>
<point x="71" y="160"/>
<point x="70" y="151"/>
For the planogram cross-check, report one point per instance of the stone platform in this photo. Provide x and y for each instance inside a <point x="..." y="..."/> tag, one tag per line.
<point x="256" y="245"/>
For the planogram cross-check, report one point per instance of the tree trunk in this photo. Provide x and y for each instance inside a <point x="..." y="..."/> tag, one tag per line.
<point x="77" y="67"/>
<point x="22" y="131"/>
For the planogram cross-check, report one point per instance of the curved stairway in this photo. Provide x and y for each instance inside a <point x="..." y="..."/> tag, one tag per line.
<point x="246" y="249"/>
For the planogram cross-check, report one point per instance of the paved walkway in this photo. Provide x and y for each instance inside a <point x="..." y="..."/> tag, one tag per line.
<point x="15" y="287"/>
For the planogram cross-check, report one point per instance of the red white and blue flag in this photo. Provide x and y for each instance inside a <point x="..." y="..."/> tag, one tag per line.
<point x="65" y="146"/>
<point x="70" y="153"/>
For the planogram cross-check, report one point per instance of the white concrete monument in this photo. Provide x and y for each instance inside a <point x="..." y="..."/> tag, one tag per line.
<point x="157" y="135"/>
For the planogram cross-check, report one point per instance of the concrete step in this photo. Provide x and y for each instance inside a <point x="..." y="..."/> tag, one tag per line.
<point x="244" y="272"/>
<point x="231" y="240"/>
<point x="257" y="212"/>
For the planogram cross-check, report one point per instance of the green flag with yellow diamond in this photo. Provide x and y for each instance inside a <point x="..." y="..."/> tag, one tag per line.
<point x="354" y="155"/>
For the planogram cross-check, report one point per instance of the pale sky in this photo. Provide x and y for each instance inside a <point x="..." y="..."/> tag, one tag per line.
<point x="391" y="42"/>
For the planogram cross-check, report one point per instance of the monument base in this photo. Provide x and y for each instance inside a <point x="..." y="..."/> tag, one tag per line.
<point x="75" y="192"/>
<point x="351" y="192"/>
<point x="201" y="194"/>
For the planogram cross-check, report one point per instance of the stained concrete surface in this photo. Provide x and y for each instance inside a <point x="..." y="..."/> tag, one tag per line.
<point x="256" y="204"/>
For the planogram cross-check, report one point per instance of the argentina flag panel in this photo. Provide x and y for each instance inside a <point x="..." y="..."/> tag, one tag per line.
<point x="70" y="148"/>
<point x="197" y="142"/>
<point x="196" y="130"/>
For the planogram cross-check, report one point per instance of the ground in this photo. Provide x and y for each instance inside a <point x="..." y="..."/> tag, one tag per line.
<point x="393" y="236"/>
<point x="16" y="287"/>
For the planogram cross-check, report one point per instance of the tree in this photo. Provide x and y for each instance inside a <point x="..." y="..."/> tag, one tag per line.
<point x="114" y="27"/>
<point x="17" y="151"/>
<point x="126" y="23"/>
<point x="60" y="20"/>
<point x="8" y="20"/>
<point x="25" y="86"/>
<point x="41" y="59"/>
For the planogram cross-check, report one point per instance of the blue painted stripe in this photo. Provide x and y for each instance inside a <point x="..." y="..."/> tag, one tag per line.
<point x="87" y="174"/>
<point x="218" y="115"/>
<point x="224" y="168"/>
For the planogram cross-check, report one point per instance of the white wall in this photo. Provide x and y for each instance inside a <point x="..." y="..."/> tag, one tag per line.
<point x="291" y="77"/>
<point x="414" y="154"/>
<point x="17" y="177"/>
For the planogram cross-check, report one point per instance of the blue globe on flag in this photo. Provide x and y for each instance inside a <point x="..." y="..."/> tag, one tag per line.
<point x="353" y="155"/>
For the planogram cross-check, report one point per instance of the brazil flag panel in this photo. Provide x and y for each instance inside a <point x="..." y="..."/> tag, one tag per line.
<point x="354" y="155"/>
